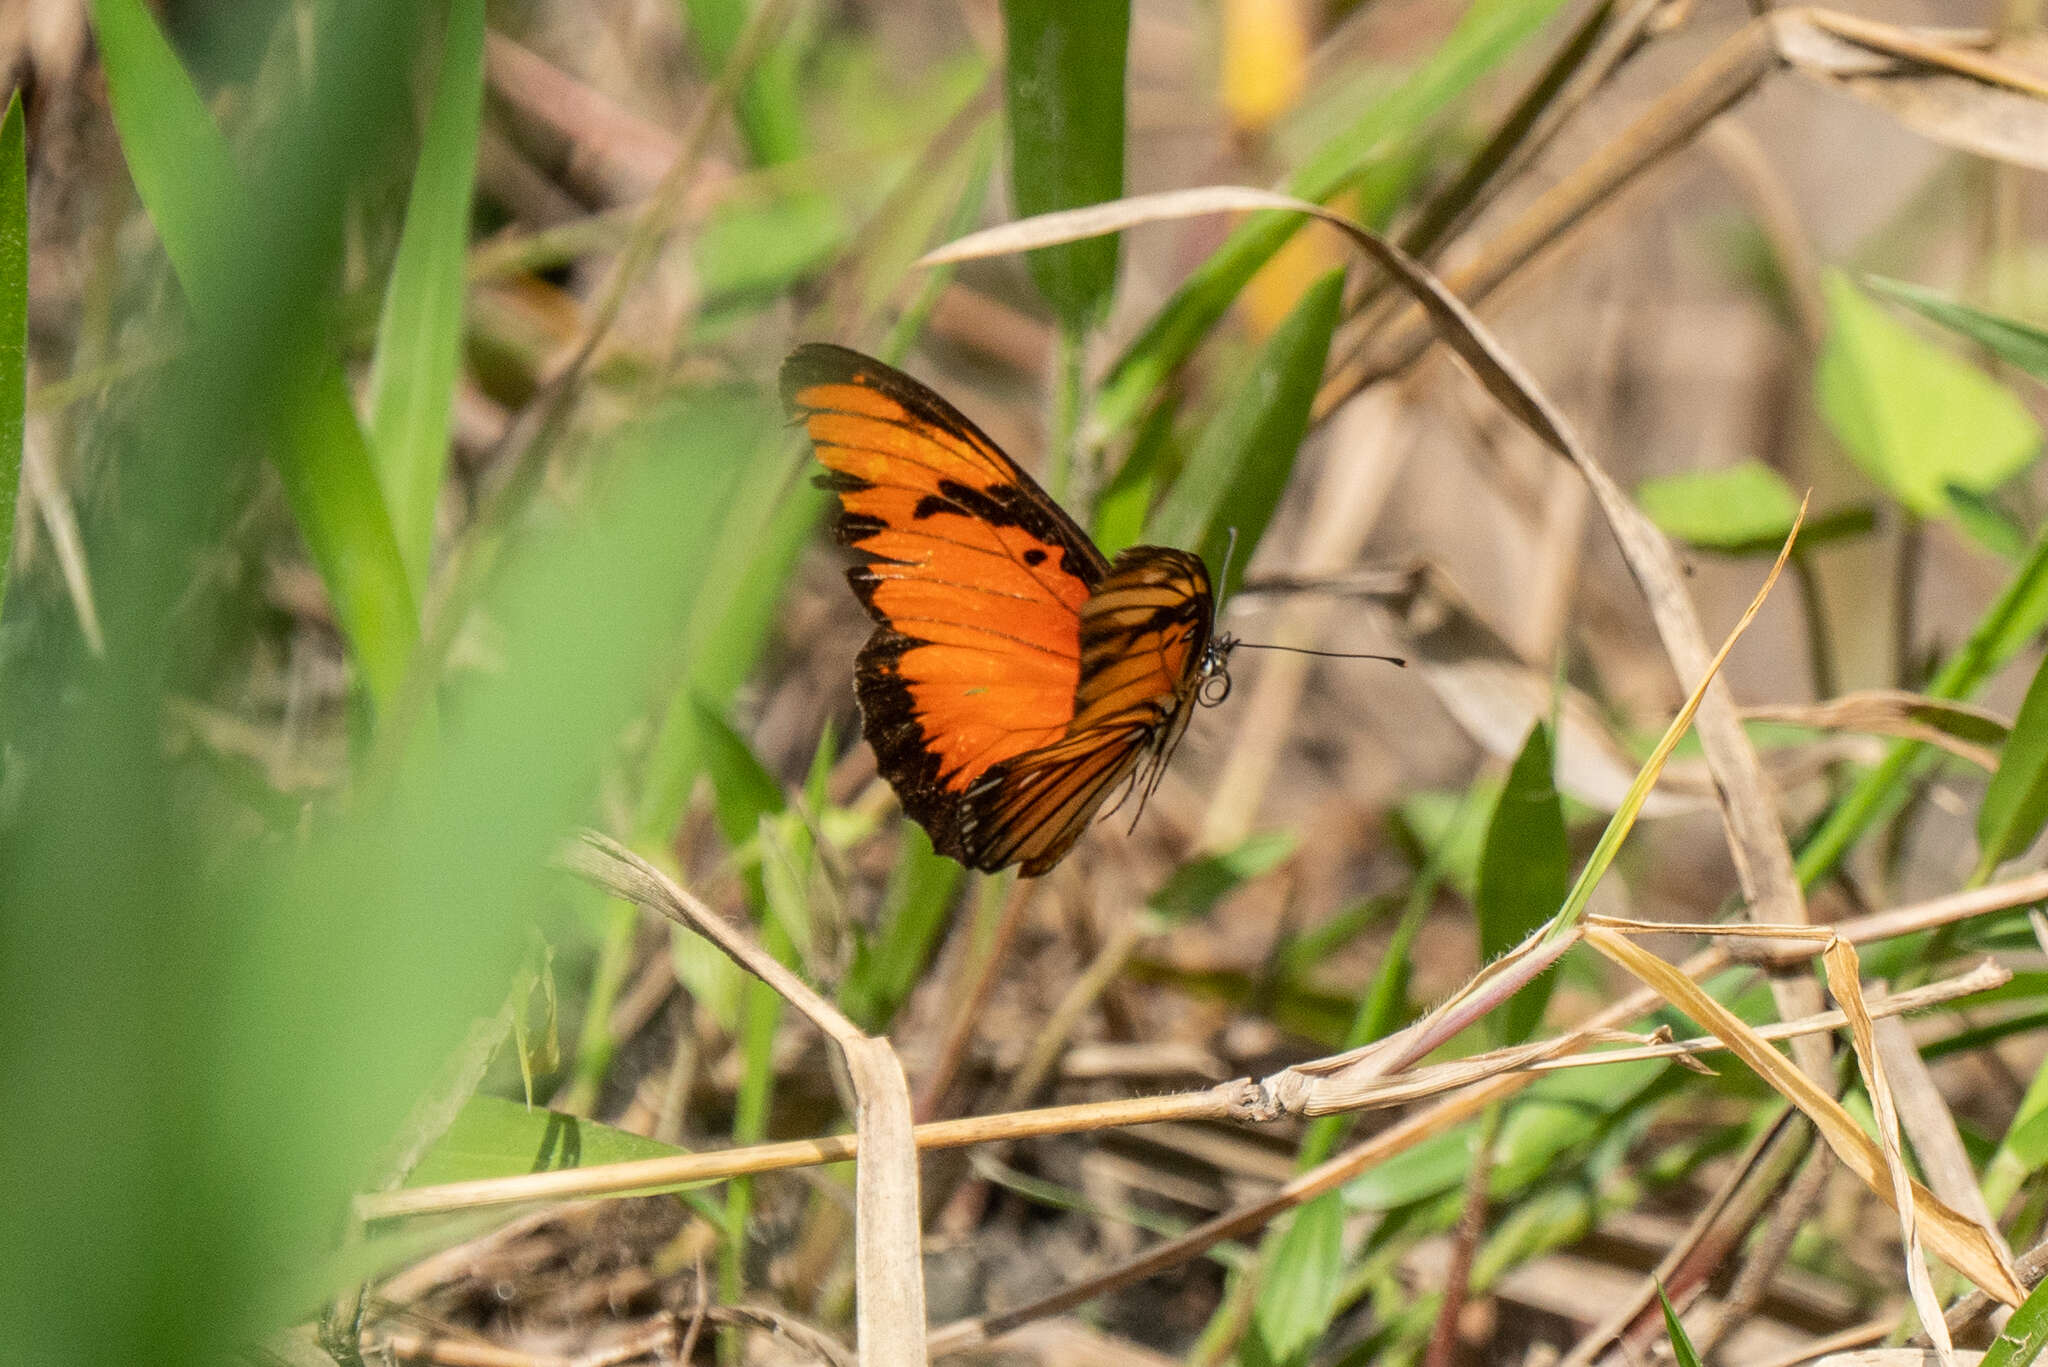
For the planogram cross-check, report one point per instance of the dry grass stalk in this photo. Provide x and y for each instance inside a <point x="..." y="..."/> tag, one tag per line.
<point x="1845" y="979"/>
<point x="888" y="1267"/>
<point x="1237" y="1100"/>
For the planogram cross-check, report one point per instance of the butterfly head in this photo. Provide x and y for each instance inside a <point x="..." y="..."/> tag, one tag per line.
<point x="1214" y="673"/>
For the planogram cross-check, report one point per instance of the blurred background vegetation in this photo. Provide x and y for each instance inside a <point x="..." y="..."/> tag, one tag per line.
<point x="390" y="392"/>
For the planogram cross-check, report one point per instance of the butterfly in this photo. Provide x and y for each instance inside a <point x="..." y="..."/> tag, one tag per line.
<point x="1016" y="676"/>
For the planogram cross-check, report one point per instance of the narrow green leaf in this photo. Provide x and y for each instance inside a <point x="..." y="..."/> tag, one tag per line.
<point x="1242" y="463"/>
<point x="1681" y="1344"/>
<point x="1197" y="886"/>
<point x="921" y="890"/>
<point x="1524" y="875"/>
<point x="742" y="789"/>
<point x="1914" y="417"/>
<point x="2017" y="343"/>
<point x="419" y="335"/>
<point x="2025" y="1335"/>
<point x="1065" y="88"/>
<point x="1298" y="1293"/>
<point x="2007" y="626"/>
<point x="176" y="157"/>
<point x="1123" y="506"/>
<point x="767" y="526"/>
<point x="1487" y="33"/>
<point x="13" y="319"/>
<point x="769" y="109"/>
<point x="2015" y="804"/>
<point x="189" y="186"/>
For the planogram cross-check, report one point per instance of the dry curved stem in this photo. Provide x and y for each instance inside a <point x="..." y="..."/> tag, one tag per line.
<point x="1757" y="844"/>
<point x="1964" y="730"/>
<point x="888" y="1268"/>
<point x="1238" y="1100"/>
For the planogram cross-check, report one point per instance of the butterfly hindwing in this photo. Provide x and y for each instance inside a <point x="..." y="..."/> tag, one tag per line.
<point x="1014" y="676"/>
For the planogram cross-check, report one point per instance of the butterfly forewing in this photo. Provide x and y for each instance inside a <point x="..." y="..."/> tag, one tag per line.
<point x="1015" y="676"/>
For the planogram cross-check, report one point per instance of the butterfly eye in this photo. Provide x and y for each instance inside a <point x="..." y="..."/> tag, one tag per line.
<point x="1215" y="686"/>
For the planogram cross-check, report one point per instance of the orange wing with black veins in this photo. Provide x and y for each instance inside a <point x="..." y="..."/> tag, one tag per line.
<point x="975" y="576"/>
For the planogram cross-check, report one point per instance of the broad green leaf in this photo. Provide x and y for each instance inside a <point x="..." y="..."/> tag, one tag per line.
<point x="13" y="319"/>
<point x="1914" y="417"/>
<point x="1742" y="509"/>
<point x="2015" y="804"/>
<point x="1737" y="508"/>
<point x="1486" y="34"/>
<point x="1240" y="467"/>
<point x="1065" y="90"/>
<point x="2020" y="344"/>
<point x="194" y="196"/>
<point x="414" y="372"/>
<point x="1524" y="875"/>
<point x="1197" y="886"/>
<point x="1298" y="1293"/>
<point x="493" y="1137"/>
<point x="1681" y="1344"/>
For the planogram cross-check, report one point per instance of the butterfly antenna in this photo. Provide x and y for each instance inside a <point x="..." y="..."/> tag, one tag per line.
<point x="1326" y="654"/>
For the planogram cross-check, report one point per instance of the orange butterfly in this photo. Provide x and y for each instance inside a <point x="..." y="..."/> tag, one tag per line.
<point x="1016" y="676"/>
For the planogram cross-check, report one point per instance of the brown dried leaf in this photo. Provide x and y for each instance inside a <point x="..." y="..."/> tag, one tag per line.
<point x="1982" y="97"/>
<point x="1845" y="979"/>
<point x="1967" y="732"/>
<point x="1955" y="1238"/>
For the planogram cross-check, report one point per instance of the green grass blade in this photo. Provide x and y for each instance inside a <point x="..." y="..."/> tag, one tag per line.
<point x="2024" y="1335"/>
<point x="2006" y="627"/>
<point x="1237" y="473"/>
<point x="1299" y="1291"/>
<point x="176" y="156"/>
<point x="771" y="521"/>
<point x="1065" y="90"/>
<point x="1489" y="31"/>
<point x="1524" y="875"/>
<point x="1681" y="1343"/>
<point x="244" y="992"/>
<point x="13" y="320"/>
<point x="769" y="110"/>
<point x="2020" y="344"/>
<point x="922" y="889"/>
<point x="2015" y="804"/>
<point x="419" y="335"/>
<point x="189" y="186"/>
